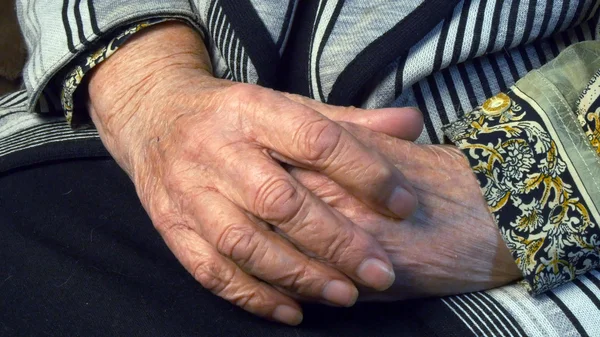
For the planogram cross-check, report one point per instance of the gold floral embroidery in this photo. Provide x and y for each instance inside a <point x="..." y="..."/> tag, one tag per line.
<point x="542" y="218"/>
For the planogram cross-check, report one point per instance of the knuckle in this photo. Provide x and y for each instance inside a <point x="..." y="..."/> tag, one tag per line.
<point x="318" y="140"/>
<point x="277" y="199"/>
<point x="239" y="242"/>
<point x="339" y="247"/>
<point x="211" y="275"/>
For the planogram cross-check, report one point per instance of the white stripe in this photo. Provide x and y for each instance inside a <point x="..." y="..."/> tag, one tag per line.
<point x="452" y="34"/>
<point x="40" y="134"/>
<point x="12" y="95"/>
<point x="469" y="32"/>
<point x="554" y="18"/>
<point x="318" y="34"/>
<point x="539" y="18"/>
<point x="479" y="317"/>
<point x="503" y="28"/>
<point x="451" y="110"/>
<point x="463" y="97"/>
<point x="520" y="23"/>
<point x="63" y="134"/>
<point x="582" y="308"/>
<point x="481" y="297"/>
<point x="471" y="324"/>
<point x="486" y="32"/>
<point x="44" y="143"/>
<point x="536" y="316"/>
<point x="432" y="109"/>
<point x="220" y="29"/>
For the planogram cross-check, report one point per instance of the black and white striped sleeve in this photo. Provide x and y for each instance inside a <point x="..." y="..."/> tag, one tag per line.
<point x="56" y="32"/>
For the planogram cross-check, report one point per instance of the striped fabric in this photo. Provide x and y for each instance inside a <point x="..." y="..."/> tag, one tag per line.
<point x="444" y="56"/>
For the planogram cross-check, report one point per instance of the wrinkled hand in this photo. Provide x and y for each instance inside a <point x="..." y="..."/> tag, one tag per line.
<point x="202" y="155"/>
<point x="450" y="245"/>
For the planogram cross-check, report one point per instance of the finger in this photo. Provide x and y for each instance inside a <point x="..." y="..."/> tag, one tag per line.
<point x="265" y="254"/>
<point x="404" y="123"/>
<point x="265" y="189"/>
<point x="305" y="136"/>
<point x="223" y="278"/>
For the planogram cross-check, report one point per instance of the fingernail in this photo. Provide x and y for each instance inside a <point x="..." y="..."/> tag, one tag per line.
<point x="288" y="315"/>
<point x="340" y="293"/>
<point x="376" y="274"/>
<point x="401" y="202"/>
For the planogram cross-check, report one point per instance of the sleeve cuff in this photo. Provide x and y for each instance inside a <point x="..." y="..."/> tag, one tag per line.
<point x="86" y="62"/>
<point x="538" y="172"/>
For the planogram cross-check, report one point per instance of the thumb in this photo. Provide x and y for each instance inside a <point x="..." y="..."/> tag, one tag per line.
<point x="403" y="123"/>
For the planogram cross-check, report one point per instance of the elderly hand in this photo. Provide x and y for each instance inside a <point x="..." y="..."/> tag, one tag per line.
<point x="450" y="245"/>
<point x="204" y="156"/>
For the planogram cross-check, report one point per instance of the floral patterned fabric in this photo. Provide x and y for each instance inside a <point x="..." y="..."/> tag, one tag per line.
<point x="539" y="193"/>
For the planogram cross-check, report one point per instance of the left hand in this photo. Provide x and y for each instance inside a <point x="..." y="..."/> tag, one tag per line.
<point x="450" y="245"/>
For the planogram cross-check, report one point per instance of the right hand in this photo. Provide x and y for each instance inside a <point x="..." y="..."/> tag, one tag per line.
<point x="201" y="152"/>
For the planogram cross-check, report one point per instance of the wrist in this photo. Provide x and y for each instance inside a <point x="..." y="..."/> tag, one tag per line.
<point x="126" y="91"/>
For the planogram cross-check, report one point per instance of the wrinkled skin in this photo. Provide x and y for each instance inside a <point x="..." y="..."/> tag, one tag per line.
<point x="203" y="155"/>
<point x="450" y="245"/>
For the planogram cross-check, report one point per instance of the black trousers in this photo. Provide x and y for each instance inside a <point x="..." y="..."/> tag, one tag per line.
<point x="79" y="257"/>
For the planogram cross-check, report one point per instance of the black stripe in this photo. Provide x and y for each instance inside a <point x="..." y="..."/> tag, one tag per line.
<point x="498" y="73"/>
<point x="441" y="46"/>
<point x="478" y="29"/>
<point x="286" y="26"/>
<point x="327" y="33"/>
<point x="25" y="133"/>
<point x="525" y="58"/>
<point x="466" y="80"/>
<point x="399" y="78"/>
<point x="579" y="33"/>
<point x="453" y="95"/>
<point x="460" y="32"/>
<point x="512" y="22"/>
<point x="508" y="319"/>
<point x="219" y="29"/>
<point x="531" y="11"/>
<point x="540" y="52"/>
<point x="564" y="36"/>
<point x="512" y="67"/>
<point x="577" y="15"/>
<point x="46" y="139"/>
<point x="495" y="24"/>
<point x="93" y="19"/>
<point x="437" y="99"/>
<point x="594" y="279"/>
<point x="320" y="11"/>
<point x="483" y="79"/>
<point x="245" y="74"/>
<point x="547" y="16"/>
<point x="228" y="40"/>
<point x="79" y="22"/>
<point x="567" y="313"/>
<point x="19" y="101"/>
<point x="477" y="314"/>
<point x="12" y="113"/>
<point x="426" y="116"/>
<point x="65" y="20"/>
<point x="554" y="47"/>
<point x="255" y="39"/>
<point x="589" y="13"/>
<point x="395" y="43"/>
<point x="587" y="292"/>
<point x="11" y="97"/>
<point x="210" y="16"/>
<point x="563" y="15"/>
<point x="46" y="131"/>
<point x="238" y="57"/>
